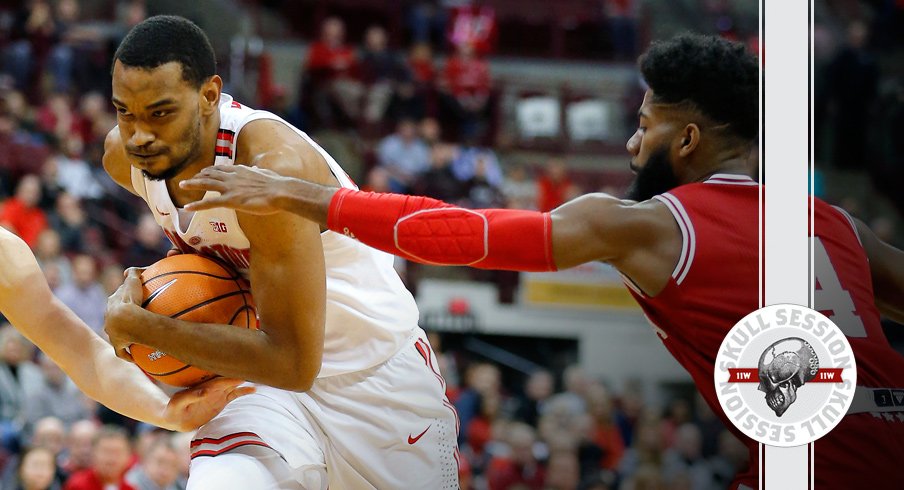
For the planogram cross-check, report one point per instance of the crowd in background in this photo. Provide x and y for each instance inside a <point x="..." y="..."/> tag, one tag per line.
<point x="425" y="116"/>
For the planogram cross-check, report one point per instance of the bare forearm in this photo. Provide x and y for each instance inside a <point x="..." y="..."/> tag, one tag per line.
<point x="233" y="352"/>
<point x="306" y="199"/>
<point x="93" y="366"/>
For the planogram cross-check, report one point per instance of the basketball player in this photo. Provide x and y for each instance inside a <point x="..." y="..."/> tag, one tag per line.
<point x="352" y="396"/>
<point x="686" y="243"/>
<point x="27" y="302"/>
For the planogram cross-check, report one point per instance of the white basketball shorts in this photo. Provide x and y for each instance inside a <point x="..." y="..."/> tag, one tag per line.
<point x="389" y="427"/>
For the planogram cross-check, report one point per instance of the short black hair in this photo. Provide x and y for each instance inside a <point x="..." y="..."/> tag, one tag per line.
<point x="718" y="77"/>
<point x="165" y="38"/>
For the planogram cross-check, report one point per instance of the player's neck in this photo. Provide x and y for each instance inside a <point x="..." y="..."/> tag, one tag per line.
<point x="726" y="162"/>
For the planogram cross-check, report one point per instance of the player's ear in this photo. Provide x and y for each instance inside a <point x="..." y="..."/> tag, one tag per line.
<point x="688" y="139"/>
<point x="210" y="95"/>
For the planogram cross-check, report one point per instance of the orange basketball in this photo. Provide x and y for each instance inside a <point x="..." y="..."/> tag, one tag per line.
<point x="195" y="289"/>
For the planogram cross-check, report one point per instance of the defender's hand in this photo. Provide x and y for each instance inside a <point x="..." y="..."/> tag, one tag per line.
<point x="248" y="189"/>
<point x="193" y="407"/>
<point x="121" y="311"/>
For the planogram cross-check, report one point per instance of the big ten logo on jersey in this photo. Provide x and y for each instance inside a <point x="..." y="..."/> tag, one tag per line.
<point x="830" y="297"/>
<point x="218" y="226"/>
<point x="240" y="258"/>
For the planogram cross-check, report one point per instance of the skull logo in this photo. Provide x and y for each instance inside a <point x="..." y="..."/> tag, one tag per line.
<point x="784" y="367"/>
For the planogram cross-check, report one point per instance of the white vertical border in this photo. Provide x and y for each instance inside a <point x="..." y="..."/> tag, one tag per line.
<point x="786" y="145"/>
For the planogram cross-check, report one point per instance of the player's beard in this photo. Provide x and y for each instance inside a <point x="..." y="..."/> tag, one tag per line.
<point x="194" y="149"/>
<point x="654" y="178"/>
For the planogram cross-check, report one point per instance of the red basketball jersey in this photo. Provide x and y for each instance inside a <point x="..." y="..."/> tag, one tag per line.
<point x="716" y="283"/>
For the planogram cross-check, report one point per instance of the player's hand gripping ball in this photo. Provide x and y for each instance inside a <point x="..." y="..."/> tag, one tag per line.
<point x="196" y="289"/>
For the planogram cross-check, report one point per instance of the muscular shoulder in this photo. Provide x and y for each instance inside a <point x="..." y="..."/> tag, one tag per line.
<point x="270" y="144"/>
<point x="115" y="161"/>
<point x="619" y="218"/>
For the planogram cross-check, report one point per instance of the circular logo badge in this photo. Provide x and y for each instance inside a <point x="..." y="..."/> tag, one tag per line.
<point x="785" y="375"/>
<point x="194" y="240"/>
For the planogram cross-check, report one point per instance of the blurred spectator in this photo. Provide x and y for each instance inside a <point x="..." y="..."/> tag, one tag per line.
<point x="677" y="414"/>
<point x="36" y="470"/>
<point x="377" y="180"/>
<point x="34" y="35"/>
<point x="20" y="213"/>
<point x="150" y="244"/>
<point x="23" y="152"/>
<point x="605" y="433"/>
<point x="576" y="384"/>
<point x="519" y="190"/>
<point x="56" y="397"/>
<point x="562" y="471"/>
<point x="469" y="158"/>
<point x="519" y="468"/>
<point x="19" y="377"/>
<point x="853" y="84"/>
<point x="77" y="455"/>
<point x="387" y="79"/>
<point x="621" y="17"/>
<point x="182" y="443"/>
<point x="49" y="253"/>
<point x="553" y="185"/>
<point x="158" y="469"/>
<point x="84" y="295"/>
<point x="439" y="181"/>
<point x="430" y="131"/>
<point x="73" y="173"/>
<point x="281" y="105"/>
<point x="481" y="379"/>
<point x="475" y="26"/>
<point x="423" y="75"/>
<point x="537" y="389"/>
<point x="465" y="86"/>
<point x="56" y="118"/>
<point x="427" y="19"/>
<point x="111" y="277"/>
<point x="95" y="121"/>
<point x="70" y="221"/>
<point x="332" y="70"/>
<point x="685" y="458"/>
<point x="111" y="453"/>
<point x="479" y="192"/>
<point x="403" y="155"/>
<point x="49" y="433"/>
<point x="732" y="457"/>
<point x="645" y="450"/>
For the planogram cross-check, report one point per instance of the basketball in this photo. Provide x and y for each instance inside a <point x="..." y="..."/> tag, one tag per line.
<point x="196" y="289"/>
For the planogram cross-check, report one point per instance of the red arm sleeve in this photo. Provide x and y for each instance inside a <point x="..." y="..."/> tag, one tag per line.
<point x="432" y="232"/>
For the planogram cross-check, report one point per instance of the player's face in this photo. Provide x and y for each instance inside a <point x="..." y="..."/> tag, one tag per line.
<point x="650" y="149"/>
<point x="159" y="116"/>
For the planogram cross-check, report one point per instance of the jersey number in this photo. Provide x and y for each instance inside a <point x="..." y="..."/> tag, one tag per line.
<point x="832" y="296"/>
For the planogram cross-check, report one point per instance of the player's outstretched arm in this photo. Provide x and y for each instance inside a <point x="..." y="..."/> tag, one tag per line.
<point x="886" y="265"/>
<point x="28" y="303"/>
<point x="593" y="227"/>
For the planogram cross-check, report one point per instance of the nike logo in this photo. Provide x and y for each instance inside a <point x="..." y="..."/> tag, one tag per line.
<point x="412" y="440"/>
<point x="161" y="213"/>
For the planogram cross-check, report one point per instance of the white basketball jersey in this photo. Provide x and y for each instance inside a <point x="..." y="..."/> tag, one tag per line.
<point x="369" y="313"/>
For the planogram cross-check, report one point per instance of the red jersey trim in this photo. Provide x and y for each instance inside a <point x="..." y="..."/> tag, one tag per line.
<point x="850" y="221"/>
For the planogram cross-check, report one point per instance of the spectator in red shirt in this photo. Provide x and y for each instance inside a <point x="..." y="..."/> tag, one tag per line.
<point x="554" y="185"/>
<point x="111" y="455"/>
<point x="465" y="84"/>
<point x="21" y="214"/>
<point x="474" y="25"/>
<point x="520" y="469"/>
<point x="332" y="68"/>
